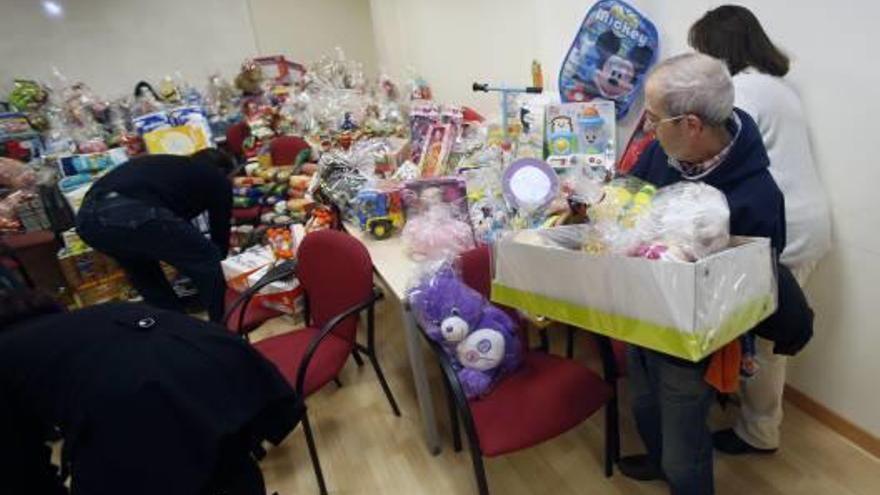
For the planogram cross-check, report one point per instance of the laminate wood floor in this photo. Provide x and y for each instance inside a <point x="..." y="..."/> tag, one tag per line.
<point x="365" y="449"/>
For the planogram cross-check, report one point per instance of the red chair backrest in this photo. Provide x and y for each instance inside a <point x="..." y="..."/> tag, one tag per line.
<point x="285" y="149"/>
<point x="476" y="272"/>
<point x="336" y="272"/>
<point x="235" y="136"/>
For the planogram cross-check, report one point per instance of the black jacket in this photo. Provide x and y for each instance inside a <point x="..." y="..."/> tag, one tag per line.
<point x="791" y="326"/>
<point x="145" y="399"/>
<point x="756" y="204"/>
<point x="178" y="184"/>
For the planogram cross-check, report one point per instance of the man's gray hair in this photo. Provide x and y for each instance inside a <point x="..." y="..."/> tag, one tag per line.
<point x="694" y="83"/>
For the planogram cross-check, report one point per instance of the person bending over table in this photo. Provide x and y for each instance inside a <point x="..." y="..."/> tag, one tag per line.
<point x="140" y="213"/>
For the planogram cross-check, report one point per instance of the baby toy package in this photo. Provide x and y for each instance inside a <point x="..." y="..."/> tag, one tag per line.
<point x="581" y="134"/>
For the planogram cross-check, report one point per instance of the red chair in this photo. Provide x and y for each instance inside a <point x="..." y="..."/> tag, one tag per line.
<point x="285" y="149"/>
<point x="248" y="320"/>
<point x="544" y="398"/>
<point x="336" y="273"/>
<point x="235" y="136"/>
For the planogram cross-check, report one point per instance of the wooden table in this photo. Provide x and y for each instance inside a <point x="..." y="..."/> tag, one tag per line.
<point x="395" y="269"/>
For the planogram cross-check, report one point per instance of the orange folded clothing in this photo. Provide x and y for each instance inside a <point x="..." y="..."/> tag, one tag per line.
<point x="724" y="367"/>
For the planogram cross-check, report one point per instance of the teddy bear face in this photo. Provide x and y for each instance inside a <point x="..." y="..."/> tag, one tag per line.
<point x="482" y="350"/>
<point x="446" y="308"/>
<point x="454" y="328"/>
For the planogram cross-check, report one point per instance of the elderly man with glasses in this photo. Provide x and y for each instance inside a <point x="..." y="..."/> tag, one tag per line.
<point x="700" y="136"/>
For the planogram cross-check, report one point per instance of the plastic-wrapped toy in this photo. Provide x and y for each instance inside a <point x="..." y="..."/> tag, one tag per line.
<point x="437" y="232"/>
<point x="690" y="220"/>
<point x="624" y="200"/>
<point x="489" y="215"/>
<point x="250" y="79"/>
<point x="422" y="116"/>
<point x="610" y="55"/>
<point x="379" y="212"/>
<point x="30" y="97"/>
<point x="420" y="89"/>
<point x="16" y="175"/>
<point x="479" y="338"/>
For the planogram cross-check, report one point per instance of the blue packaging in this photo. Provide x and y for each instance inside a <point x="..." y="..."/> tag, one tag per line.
<point x="151" y="122"/>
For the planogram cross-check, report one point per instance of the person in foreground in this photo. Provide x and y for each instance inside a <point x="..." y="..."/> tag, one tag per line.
<point x="700" y="137"/>
<point x="734" y="35"/>
<point x="147" y="401"/>
<point x="140" y="214"/>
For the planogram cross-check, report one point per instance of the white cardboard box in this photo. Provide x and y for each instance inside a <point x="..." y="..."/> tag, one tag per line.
<point x="688" y="310"/>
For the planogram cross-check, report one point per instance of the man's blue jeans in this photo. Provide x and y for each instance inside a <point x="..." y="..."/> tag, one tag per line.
<point x="139" y="235"/>
<point x="670" y="401"/>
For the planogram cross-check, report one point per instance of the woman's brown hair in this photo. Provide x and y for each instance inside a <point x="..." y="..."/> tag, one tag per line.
<point x="733" y="34"/>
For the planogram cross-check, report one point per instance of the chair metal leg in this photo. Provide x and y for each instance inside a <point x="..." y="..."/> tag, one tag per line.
<point x="479" y="470"/>
<point x="612" y="435"/>
<point x="383" y="382"/>
<point x="357" y="357"/>
<point x="569" y="342"/>
<point x="453" y="417"/>
<point x="370" y="351"/>
<point x="313" y="453"/>
<point x="545" y="341"/>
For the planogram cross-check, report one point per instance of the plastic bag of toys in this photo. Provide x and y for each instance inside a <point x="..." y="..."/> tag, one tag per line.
<point x="16" y="175"/>
<point x="438" y="231"/>
<point x="687" y="221"/>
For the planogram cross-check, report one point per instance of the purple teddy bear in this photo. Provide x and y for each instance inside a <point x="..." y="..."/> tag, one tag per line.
<point x="479" y="337"/>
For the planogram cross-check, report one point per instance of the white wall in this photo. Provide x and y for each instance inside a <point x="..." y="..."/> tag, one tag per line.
<point x="113" y="44"/>
<point x="454" y="42"/>
<point x="307" y="29"/>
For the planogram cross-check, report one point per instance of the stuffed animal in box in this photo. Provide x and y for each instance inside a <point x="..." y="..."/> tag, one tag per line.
<point x="479" y="338"/>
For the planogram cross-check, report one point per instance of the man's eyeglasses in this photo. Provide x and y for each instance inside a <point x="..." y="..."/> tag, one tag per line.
<point x="652" y="122"/>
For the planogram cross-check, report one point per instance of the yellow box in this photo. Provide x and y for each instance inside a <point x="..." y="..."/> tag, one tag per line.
<point x="181" y="140"/>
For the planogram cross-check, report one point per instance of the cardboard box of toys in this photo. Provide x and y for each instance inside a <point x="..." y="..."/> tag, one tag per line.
<point x="114" y="287"/>
<point x="243" y="270"/>
<point x="85" y="266"/>
<point x="687" y="310"/>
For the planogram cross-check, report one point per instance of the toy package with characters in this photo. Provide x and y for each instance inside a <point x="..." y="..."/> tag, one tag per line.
<point x="479" y="338"/>
<point x="610" y="56"/>
<point x="581" y="133"/>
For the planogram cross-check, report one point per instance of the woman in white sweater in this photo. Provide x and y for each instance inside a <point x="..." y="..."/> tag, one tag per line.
<point x="733" y="34"/>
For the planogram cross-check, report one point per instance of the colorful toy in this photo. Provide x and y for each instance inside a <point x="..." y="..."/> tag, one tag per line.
<point x="510" y="122"/>
<point x="379" y="212"/>
<point x="560" y="136"/>
<point x="477" y="336"/>
<point x="250" y="79"/>
<point x="488" y="211"/>
<point x="581" y="133"/>
<point x="611" y="53"/>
